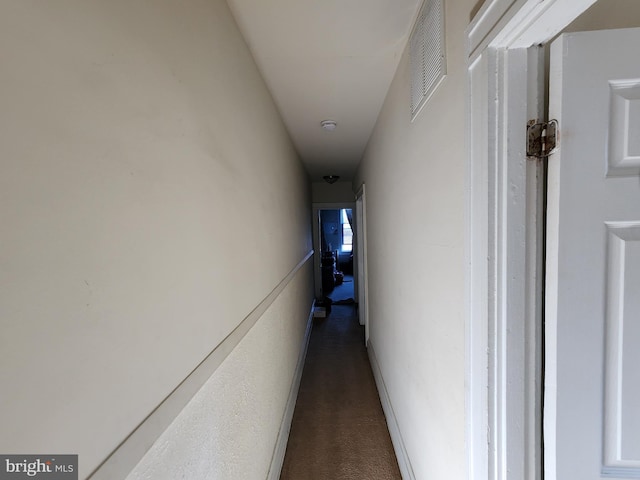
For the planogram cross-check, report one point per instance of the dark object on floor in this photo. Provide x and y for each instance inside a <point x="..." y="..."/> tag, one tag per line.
<point x="326" y="302"/>
<point x="339" y="278"/>
<point x="339" y="431"/>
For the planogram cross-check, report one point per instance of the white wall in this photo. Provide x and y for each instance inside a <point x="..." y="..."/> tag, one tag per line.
<point x="607" y="14"/>
<point x="414" y="175"/>
<point x="323" y="192"/>
<point x="150" y="198"/>
<point x="226" y="431"/>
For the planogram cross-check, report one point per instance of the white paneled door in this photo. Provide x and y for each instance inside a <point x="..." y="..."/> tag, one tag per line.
<point x="592" y="358"/>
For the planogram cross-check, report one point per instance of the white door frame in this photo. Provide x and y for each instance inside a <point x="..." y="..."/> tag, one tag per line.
<point x="504" y="241"/>
<point x="362" y="283"/>
<point x="317" y="246"/>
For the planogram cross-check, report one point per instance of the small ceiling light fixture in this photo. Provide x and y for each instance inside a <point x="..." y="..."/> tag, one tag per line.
<point x="331" y="178"/>
<point x="329" y="125"/>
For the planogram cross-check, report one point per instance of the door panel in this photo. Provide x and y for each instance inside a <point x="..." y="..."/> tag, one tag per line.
<point x="624" y="125"/>
<point x="622" y="361"/>
<point x="592" y="380"/>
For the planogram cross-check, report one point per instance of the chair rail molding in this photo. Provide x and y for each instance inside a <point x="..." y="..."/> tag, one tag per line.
<point x="120" y="462"/>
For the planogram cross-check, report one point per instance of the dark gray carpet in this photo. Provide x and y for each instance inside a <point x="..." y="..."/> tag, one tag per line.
<point x="338" y="430"/>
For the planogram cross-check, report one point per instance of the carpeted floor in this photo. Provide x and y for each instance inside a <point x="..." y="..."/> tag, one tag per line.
<point x="339" y="431"/>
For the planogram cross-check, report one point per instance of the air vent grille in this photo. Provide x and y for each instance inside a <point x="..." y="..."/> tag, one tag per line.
<point x="427" y="54"/>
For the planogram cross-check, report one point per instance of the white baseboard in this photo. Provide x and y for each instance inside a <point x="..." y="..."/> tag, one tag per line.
<point x="280" y="449"/>
<point x="394" y="430"/>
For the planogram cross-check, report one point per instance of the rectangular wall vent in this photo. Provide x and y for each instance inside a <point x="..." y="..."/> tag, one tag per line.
<point x="427" y="54"/>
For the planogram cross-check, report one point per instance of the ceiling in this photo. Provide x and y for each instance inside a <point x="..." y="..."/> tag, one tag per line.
<point x="331" y="59"/>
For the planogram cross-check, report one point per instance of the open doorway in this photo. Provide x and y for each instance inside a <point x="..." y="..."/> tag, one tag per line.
<point x="330" y="240"/>
<point x="336" y="258"/>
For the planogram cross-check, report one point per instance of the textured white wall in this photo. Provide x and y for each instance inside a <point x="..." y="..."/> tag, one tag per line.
<point x="150" y="198"/>
<point x="414" y="175"/>
<point x="229" y="428"/>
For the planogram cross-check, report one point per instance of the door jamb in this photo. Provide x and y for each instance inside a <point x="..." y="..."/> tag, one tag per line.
<point x="502" y="242"/>
<point x="362" y="291"/>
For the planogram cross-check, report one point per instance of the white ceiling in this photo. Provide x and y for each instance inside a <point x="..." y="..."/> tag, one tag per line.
<point x="331" y="59"/>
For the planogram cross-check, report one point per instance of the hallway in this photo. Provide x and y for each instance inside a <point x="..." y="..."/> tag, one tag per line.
<point x="157" y="249"/>
<point x="338" y="429"/>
